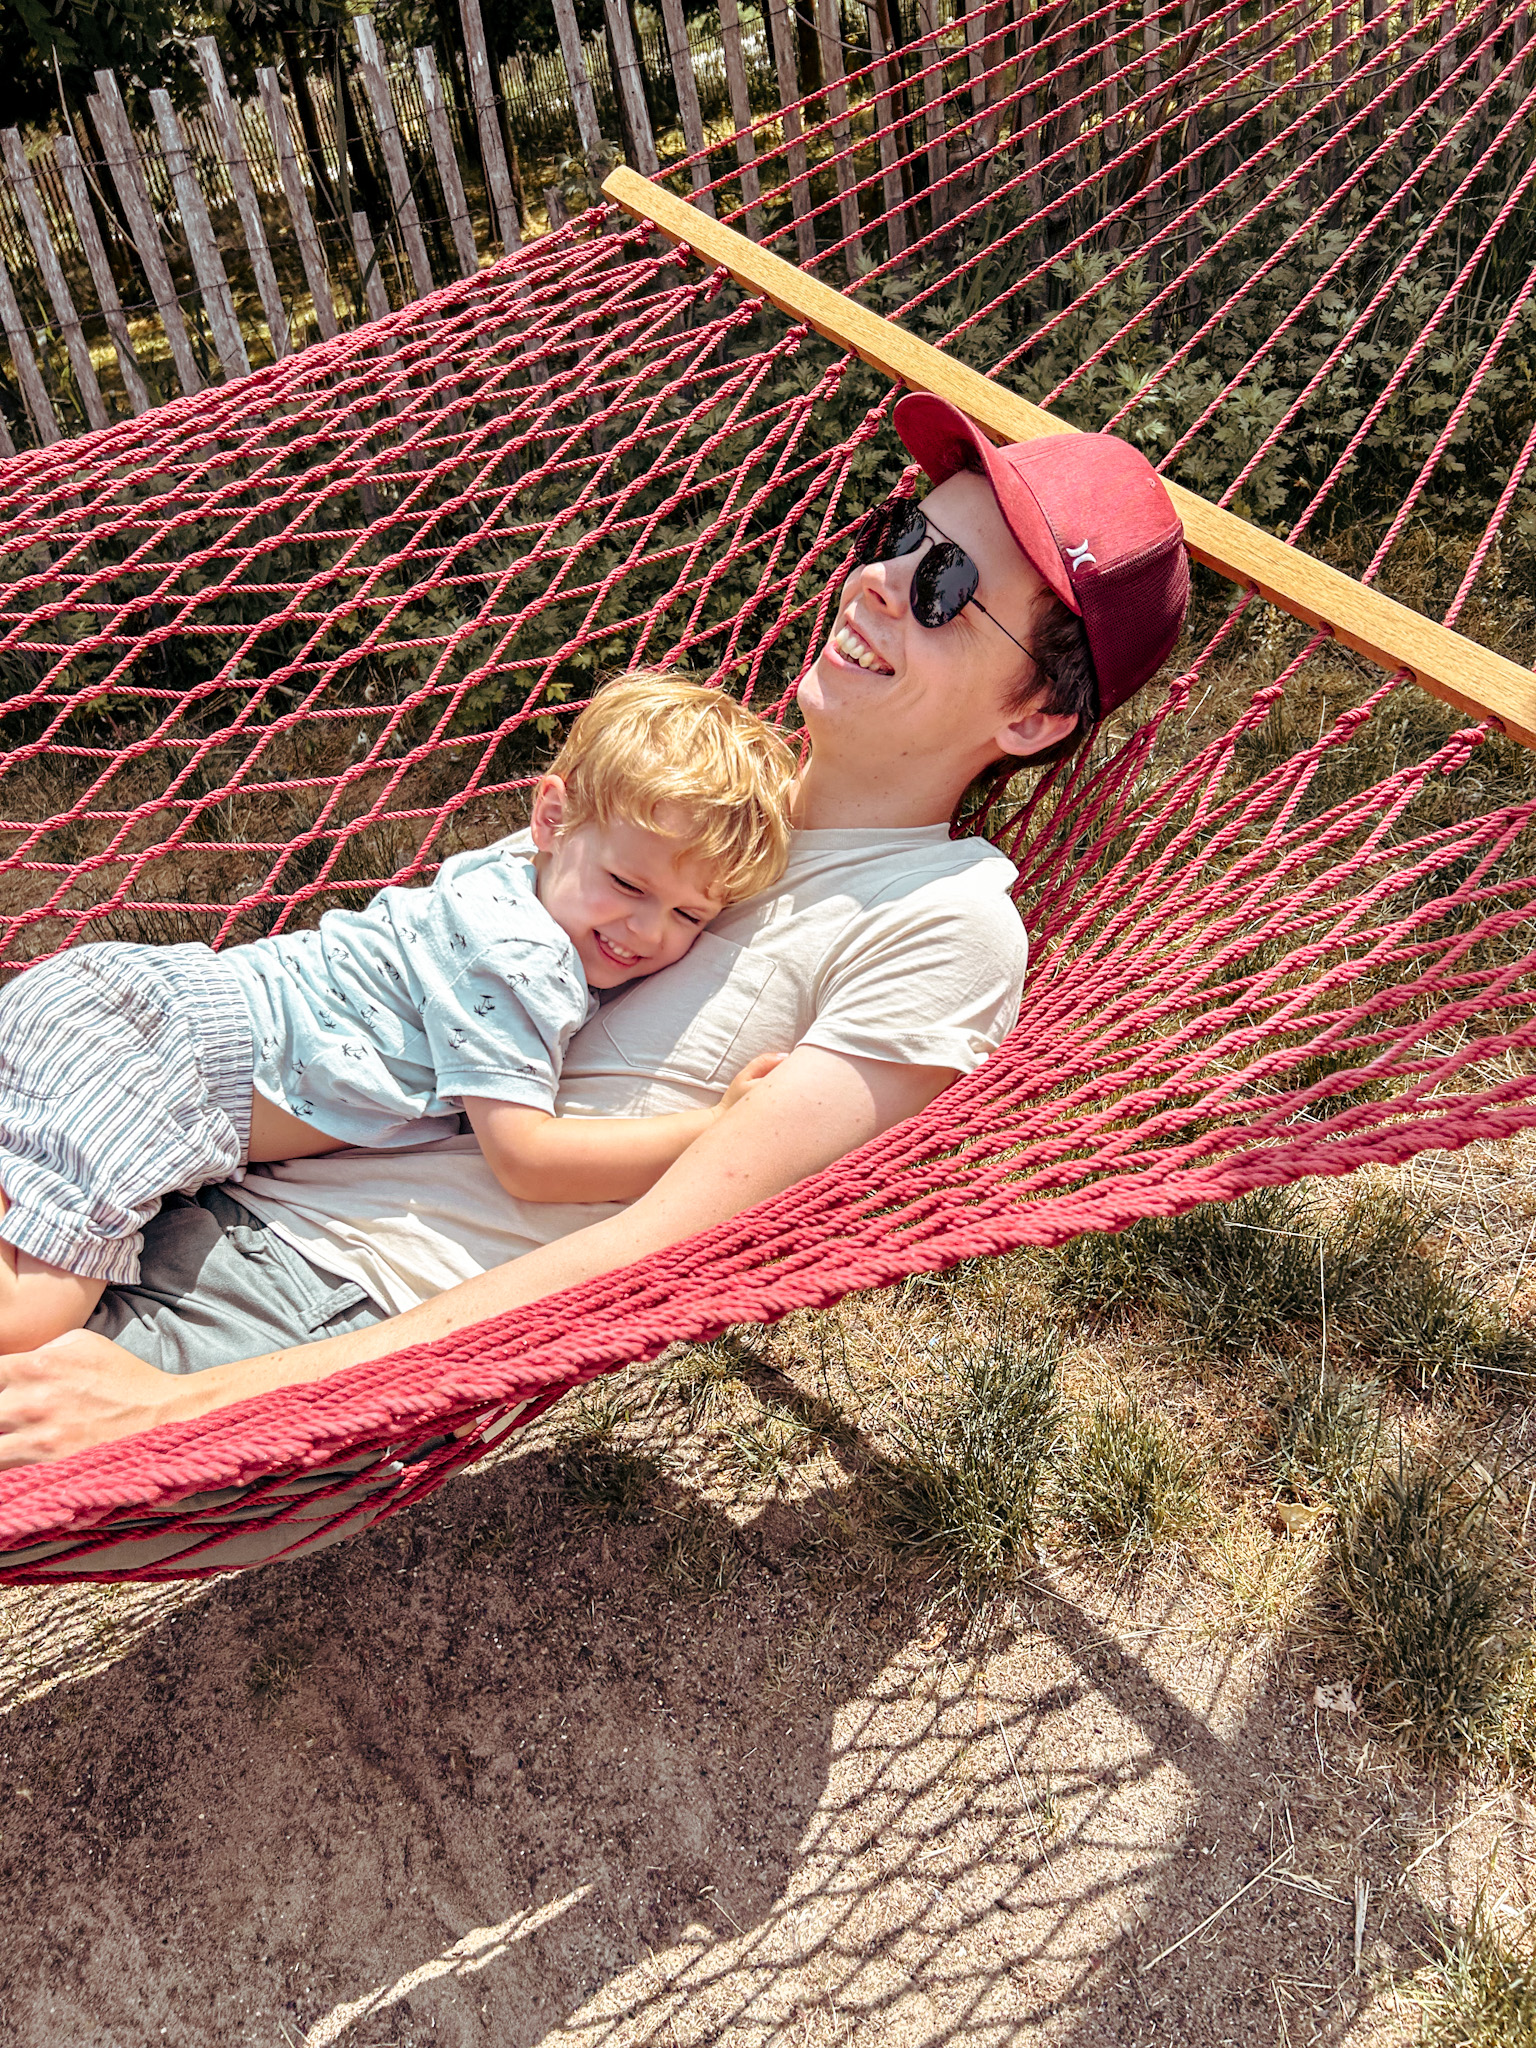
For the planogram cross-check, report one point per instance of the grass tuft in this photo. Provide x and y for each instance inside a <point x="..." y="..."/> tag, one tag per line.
<point x="1237" y="1275"/>
<point x="1433" y="1607"/>
<point x="596" y="1471"/>
<point x="964" y="1483"/>
<point x="1256" y="1275"/>
<point x="1326" y="1426"/>
<point x="708" y="1377"/>
<point x="1480" y="1991"/>
<point x="1131" y="1484"/>
<point x="698" y="1559"/>
<point x="772" y="1445"/>
<point x="276" y="1670"/>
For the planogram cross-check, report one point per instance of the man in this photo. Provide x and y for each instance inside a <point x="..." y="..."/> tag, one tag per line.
<point x="1036" y="587"/>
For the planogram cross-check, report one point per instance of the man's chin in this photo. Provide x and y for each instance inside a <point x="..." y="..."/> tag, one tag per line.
<point x="835" y="687"/>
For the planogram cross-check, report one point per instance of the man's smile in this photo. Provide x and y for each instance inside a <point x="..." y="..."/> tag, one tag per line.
<point x="852" y="645"/>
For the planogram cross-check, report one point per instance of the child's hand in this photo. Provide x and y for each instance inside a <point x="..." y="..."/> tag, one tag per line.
<point x="753" y="1072"/>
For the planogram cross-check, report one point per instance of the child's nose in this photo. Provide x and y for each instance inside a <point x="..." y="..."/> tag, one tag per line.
<point x="645" y="921"/>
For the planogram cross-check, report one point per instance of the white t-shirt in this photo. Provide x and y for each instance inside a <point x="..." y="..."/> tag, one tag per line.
<point x="901" y="946"/>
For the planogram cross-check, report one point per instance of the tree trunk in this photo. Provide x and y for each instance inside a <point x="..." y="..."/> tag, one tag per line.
<point x="808" y="50"/>
<point x="365" y="183"/>
<point x="309" y="127"/>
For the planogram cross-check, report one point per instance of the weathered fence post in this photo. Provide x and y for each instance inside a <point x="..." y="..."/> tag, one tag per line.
<point x="311" y="251"/>
<point x="829" y="23"/>
<point x="688" y="101"/>
<point x="377" y="301"/>
<point x="1027" y="129"/>
<point x="789" y="93"/>
<point x="122" y="155"/>
<point x="993" y="58"/>
<point x="1109" y="67"/>
<point x="227" y="127"/>
<point x="573" y="50"/>
<point x="741" y="114"/>
<point x="218" y="301"/>
<point x="1152" y="205"/>
<point x="893" y="195"/>
<point x="376" y="85"/>
<point x="447" y="164"/>
<point x="375" y="297"/>
<point x="66" y="153"/>
<point x="36" y="223"/>
<point x="933" y="118"/>
<point x="630" y="87"/>
<point x="509" y="230"/>
<point x="33" y="390"/>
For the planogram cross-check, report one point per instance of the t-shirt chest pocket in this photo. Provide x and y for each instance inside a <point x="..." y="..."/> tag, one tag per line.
<point x="685" y="1023"/>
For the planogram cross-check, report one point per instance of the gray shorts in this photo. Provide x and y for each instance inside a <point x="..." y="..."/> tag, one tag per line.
<point x="216" y="1284"/>
<point x="125" y="1075"/>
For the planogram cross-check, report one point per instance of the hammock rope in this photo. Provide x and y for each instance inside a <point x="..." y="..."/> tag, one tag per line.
<point x="272" y="648"/>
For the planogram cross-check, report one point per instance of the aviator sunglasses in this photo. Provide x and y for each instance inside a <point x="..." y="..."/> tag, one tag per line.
<point x="944" y="581"/>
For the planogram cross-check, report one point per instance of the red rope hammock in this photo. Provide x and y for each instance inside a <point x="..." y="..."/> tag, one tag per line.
<point x="268" y="649"/>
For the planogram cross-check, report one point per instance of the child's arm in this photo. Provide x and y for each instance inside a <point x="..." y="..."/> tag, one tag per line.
<point x="542" y="1158"/>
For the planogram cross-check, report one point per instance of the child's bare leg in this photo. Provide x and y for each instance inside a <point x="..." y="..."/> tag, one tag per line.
<point x="37" y="1301"/>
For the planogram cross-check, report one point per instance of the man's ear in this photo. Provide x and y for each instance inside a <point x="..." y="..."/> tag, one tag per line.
<point x="548" y="813"/>
<point x="1033" y="731"/>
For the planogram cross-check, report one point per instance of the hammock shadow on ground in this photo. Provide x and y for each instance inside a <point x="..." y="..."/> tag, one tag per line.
<point x="481" y="1775"/>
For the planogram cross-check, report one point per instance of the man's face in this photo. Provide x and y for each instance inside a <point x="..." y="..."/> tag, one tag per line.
<point x="886" y="681"/>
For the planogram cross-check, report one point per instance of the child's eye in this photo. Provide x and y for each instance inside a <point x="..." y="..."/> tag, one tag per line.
<point x="691" y="917"/>
<point x="633" y="888"/>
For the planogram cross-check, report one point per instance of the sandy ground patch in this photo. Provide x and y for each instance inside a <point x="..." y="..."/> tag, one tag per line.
<point x="483" y="1776"/>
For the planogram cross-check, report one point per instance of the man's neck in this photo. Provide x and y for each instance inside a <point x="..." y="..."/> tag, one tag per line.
<point x="828" y="799"/>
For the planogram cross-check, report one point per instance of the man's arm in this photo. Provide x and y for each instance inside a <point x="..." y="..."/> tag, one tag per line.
<point x="83" y="1390"/>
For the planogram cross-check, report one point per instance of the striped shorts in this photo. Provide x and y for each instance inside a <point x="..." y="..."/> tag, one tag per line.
<point x="125" y="1076"/>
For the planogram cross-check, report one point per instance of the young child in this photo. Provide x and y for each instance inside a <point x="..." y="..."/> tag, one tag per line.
<point x="130" y="1072"/>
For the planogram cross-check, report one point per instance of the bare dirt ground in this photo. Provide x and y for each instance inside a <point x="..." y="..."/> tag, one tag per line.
<point x="726" y="1773"/>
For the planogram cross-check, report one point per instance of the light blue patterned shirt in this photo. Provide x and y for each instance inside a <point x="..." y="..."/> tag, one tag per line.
<point x="377" y="1025"/>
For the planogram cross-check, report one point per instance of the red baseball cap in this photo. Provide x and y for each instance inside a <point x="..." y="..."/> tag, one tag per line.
<point x="1092" y="515"/>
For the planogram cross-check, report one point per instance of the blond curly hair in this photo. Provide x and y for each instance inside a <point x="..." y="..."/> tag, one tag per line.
<point x="651" y="739"/>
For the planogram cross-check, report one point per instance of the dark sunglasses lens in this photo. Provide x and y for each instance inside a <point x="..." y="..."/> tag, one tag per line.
<point x="891" y="530"/>
<point x="944" y="585"/>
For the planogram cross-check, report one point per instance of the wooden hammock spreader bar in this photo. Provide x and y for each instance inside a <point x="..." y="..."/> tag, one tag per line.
<point x="1482" y="684"/>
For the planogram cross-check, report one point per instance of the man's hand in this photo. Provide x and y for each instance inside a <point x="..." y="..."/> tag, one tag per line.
<point x="76" y="1391"/>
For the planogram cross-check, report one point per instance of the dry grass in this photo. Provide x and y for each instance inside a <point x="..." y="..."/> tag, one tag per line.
<point x="1479" y="1991"/>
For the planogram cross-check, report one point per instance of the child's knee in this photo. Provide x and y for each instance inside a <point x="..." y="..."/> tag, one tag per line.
<point x="38" y="1302"/>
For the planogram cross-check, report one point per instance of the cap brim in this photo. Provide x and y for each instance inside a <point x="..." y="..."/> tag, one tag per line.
<point x="940" y="437"/>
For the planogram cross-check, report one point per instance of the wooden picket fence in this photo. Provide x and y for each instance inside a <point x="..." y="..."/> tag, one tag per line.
<point x="136" y="265"/>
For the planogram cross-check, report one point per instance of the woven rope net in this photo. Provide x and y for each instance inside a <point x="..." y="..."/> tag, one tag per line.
<point x="271" y="648"/>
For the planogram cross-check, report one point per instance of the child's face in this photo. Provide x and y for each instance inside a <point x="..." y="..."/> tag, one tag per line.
<point x="622" y="895"/>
